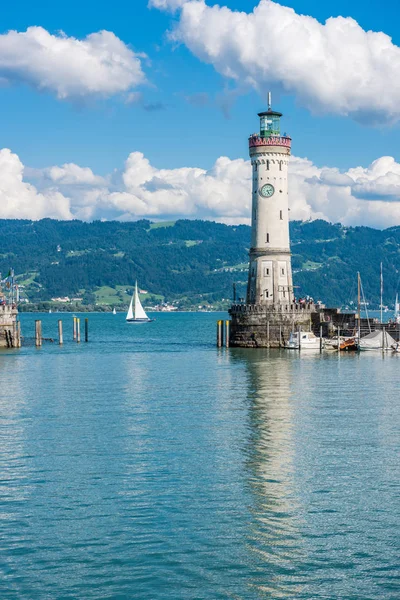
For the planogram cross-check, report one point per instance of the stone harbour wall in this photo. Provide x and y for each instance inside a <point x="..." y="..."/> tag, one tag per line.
<point x="9" y="327"/>
<point x="261" y="326"/>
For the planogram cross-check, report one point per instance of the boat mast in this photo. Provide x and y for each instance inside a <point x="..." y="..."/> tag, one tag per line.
<point x="365" y="305"/>
<point x="381" y="295"/>
<point x="359" y="303"/>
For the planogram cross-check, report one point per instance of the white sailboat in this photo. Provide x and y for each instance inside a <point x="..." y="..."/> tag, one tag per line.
<point x="114" y="311"/>
<point x="136" y="313"/>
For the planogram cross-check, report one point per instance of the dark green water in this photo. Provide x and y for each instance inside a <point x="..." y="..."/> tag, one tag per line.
<point x="148" y="464"/>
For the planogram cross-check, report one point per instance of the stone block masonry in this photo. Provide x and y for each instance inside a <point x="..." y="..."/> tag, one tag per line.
<point x="9" y="327"/>
<point x="261" y="326"/>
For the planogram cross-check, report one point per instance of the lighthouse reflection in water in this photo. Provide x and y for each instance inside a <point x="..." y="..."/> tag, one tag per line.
<point x="320" y="467"/>
<point x="274" y="532"/>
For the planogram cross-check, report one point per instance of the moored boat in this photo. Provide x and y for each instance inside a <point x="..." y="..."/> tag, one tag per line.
<point x="377" y="340"/>
<point x="349" y="345"/>
<point x="303" y="340"/>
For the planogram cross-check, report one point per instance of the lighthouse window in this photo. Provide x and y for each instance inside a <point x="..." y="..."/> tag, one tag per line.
<point x="266" y="272"/>
<point x="281" y="215"/>
<point x="283" y="271"/>
<point x="267" y="165"/>
<point x="267" y="238"/>
<point x="266" y="293"/>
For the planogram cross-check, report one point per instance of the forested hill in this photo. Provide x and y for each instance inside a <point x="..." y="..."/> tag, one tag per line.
<point x="190" y="261"/>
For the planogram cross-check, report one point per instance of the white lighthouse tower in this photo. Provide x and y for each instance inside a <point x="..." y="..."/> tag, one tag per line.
<point x="270" y="273"/>
<point x="270" y="312"/>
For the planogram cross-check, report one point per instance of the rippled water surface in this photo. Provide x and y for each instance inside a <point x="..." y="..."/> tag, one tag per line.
<point x="148" y="464"/>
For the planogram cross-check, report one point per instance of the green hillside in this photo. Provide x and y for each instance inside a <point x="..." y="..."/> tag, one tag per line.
<point x="189" y="262"/>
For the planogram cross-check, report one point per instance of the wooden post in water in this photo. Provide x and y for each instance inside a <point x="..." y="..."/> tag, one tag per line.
<point x="280" y="336"/>
<point x="338" y="339"/>
<point x="220" y="334"/>
<point x="227" y="326"/>
<point x="299" y="334"/>
<point x="74" y="328"/>
<point x="86" y="329"/>
<point x="268" y="334"/>
<point x="320" y="338"/>
<point x="78" y="330"/>
<point x="38" y="333"/>
<point x="60" y="333"/>
<point x="18" y="334"/>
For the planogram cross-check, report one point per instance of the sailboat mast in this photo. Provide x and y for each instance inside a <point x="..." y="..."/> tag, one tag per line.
<point x="381" y="295"/>
<point x="359" y="303"/>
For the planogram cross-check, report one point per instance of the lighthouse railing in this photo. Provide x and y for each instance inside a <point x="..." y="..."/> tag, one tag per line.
<point x="257" y="140"/>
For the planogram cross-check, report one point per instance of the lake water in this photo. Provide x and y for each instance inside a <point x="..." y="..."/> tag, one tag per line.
<point x="147" y="464"/>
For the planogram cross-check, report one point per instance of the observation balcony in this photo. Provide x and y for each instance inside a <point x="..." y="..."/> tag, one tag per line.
<point x="288" y="308"/>
<point x="256" y="140"/>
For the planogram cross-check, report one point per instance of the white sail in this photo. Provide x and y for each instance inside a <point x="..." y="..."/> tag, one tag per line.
<point x="114" y="311"/>
<point x="136" y="311"/>
<point x="396" y="307"/>
<point x="139" y="310"/>
<point x="129" y="316"/>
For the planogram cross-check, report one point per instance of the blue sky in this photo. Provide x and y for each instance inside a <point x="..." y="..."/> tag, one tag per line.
<point x="188" y="114"/>
<point x="43" y="130"/>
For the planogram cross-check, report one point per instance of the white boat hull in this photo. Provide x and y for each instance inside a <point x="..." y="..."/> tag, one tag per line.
<point x="139" y="320"/>
<point x="314" y="346"/>
<point x="307" y="341"/>
<point x="377" y="349"/>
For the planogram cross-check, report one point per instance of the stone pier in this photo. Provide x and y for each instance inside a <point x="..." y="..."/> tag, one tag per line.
<point x="9" y="327"/>
<point x="268" y="326"/>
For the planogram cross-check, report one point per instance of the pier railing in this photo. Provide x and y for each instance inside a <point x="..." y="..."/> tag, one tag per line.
<point x="273" y="140"/>
<point x="296" y="308"/>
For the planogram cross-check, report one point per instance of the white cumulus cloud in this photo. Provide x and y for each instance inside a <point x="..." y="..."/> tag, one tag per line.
<point x="361" y="196"/>
<point x="335" y="67"/>
<point x="98" y="65"/>
<point x="72" y="174"/>
<point x="167" y="4"/>
<point x="188" y="191"/>
<point x="21" y="200"/>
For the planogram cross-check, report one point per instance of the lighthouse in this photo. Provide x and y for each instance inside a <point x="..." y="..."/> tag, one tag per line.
<point x="270" y="312"/>
<point x="270" y="272"/>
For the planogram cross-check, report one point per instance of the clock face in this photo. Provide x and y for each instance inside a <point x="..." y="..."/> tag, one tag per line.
<point x="267" y="190"/>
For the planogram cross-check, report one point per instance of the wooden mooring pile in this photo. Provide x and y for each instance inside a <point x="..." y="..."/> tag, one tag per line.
<point x="76" y="332"/>
<point x="223" y="333"/>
